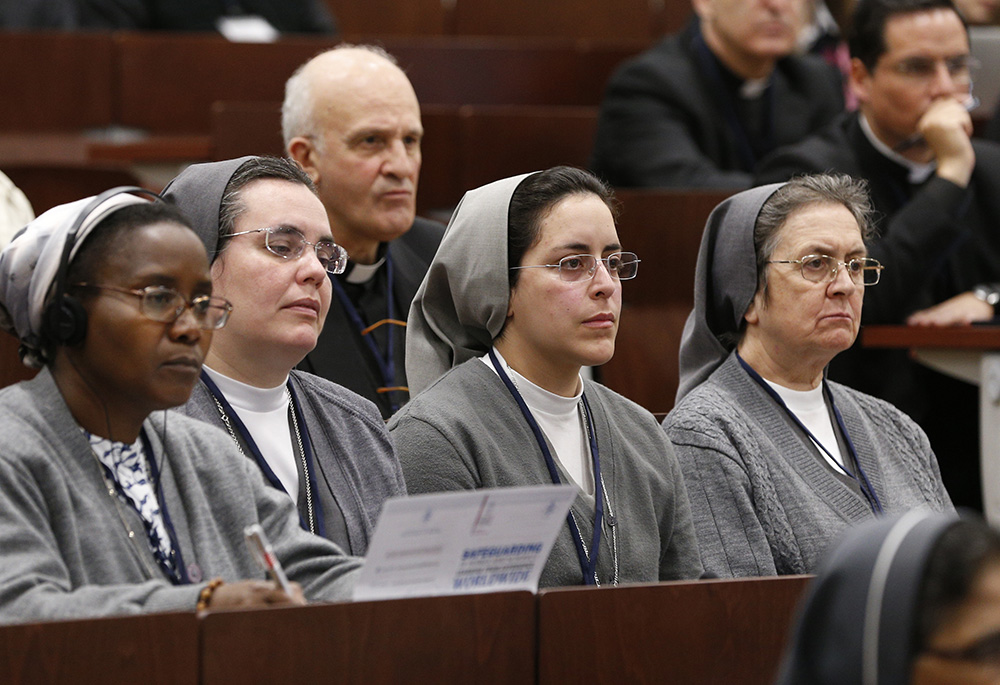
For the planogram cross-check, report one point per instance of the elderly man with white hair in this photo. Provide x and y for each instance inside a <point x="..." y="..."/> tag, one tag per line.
<point x="351" y="119"/>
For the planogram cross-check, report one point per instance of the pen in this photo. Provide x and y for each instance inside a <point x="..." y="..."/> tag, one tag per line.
<point x="261" y="550"/>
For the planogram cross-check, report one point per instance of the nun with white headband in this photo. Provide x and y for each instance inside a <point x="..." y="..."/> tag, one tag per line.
<point x="777" y="459"/>
<point x="108" y="503"/>
<point x="911" y="599"/>
<point x="524" y="292"/>
<point x="272" y="253"/>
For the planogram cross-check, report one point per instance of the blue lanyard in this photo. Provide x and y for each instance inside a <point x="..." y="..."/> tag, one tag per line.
<point x="386" y="361"/>
<point x="587" y="564"/>
<point x="259" y="457"/>
<point x="862" y="478"/>
<point x="178" y="574"/>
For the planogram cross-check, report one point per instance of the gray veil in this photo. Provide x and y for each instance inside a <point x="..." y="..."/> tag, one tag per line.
<point x="725" y="281"/>
<point x="857" y="621"/>
<point x="461" y="306"/>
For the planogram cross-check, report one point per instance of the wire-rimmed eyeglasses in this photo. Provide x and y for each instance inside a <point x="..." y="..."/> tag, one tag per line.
<point x="163" y="304"/>
<point x="582" y="267"/>
<point x="821" y="268"/>
<point x="288" y="243"/>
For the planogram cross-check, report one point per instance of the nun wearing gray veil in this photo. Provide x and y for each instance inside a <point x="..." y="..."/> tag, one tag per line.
<point x="778" y="460"/>
<point x="910" y="599"/>
<point x="524" y="291"/>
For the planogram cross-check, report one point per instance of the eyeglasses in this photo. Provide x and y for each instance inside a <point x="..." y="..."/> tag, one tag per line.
<point x="288" y="243"/>
<point x="821" y="268"/>
<point x="985" y="651"/>
<point x="166" y="305"/>
<point x="582" y="267"/>
<point x="959" y="68"/>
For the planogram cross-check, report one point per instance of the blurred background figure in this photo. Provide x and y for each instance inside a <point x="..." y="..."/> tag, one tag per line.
<point x="702" y="107"/>
<point x="247" y="20"/>
<point x="905" y="599"/>
<point x="15" y="210"/>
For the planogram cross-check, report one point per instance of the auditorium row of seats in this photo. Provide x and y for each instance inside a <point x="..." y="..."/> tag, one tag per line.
<point x="632" y="19"/>
<point x="99" y="110"/>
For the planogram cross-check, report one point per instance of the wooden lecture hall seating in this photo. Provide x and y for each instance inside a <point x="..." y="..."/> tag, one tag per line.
<point x="506" y="86"/>
<point x="501" y="92"/>
<point x="692" y="632"/>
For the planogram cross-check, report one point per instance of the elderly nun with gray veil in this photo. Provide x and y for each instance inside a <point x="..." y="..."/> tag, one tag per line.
<point x="524" y="291"/>
<point x="777" y="459"/>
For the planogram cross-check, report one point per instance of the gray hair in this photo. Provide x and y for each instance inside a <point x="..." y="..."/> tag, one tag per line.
<point x="800" y="192"/>
<point x="298" y="106"/>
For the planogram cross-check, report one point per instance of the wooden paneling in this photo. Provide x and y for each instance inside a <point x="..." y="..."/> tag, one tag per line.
<point x="48" y="185"/>
<point x="391" y="17"/>
<point x="56" y="81"/>
<point x="718" y="631"/>
<point x="11" y="368"/>
<point x="470" y="638"/>
<point x="623" y="19"/>
<point x="506" y="140"/>
<point x="157" y="649"/>
<point x="168" y="83"/>
<point x="509" y="72"/>
<point x="664" y="227"/>
<point x="246" y="128"/>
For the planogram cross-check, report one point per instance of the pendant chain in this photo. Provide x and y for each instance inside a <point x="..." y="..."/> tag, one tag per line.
<point x="613" y="522"/>
<point x="298" y="439"/>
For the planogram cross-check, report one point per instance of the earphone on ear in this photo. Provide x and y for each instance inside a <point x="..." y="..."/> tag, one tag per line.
<point x="64" y="321"/>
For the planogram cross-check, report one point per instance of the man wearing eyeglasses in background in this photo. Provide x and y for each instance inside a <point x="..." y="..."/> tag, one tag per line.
<point x="937" y="198"/>
<point x="352" y="121"/>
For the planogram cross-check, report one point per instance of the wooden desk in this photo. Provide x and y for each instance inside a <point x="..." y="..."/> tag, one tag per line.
<point x="969" y="353"/>
<point x="157" y="649"/>
<point x="471" y="638"/>
<point x="710" y="631"/>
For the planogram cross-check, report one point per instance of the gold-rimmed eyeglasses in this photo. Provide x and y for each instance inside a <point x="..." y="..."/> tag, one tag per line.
<point x="822" y="268"/>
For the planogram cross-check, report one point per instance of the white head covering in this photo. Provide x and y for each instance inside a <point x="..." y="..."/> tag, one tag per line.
<point x="461" y="305"/>
<point x="29" y="264"/>
<point x="725" y="282"/>
<point x="15" y="210"/>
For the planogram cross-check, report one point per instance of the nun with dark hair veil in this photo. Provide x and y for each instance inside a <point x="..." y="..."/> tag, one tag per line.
<point x="271" y="253"/>
<point x="906" y="599"/>
<point x="524" y="291"/>
<point x="109" y="504"/>
<point x="778" y="460"/>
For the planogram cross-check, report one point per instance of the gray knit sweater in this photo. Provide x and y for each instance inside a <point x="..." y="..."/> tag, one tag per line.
<point x="358" y="470"/>
<point x="466" y="432"/>
<point x="763" y="502"/>
<point x="64" y="551"/>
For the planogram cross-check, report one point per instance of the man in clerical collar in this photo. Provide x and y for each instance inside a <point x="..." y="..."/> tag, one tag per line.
<point x="351" y="119"/>
<point x="935" y="191"/>
<point x="702" y="107"/>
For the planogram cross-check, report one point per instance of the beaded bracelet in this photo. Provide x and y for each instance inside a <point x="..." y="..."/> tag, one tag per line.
<point x="205" y="596"/>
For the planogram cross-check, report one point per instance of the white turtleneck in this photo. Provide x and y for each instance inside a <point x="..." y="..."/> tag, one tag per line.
<point x="561" y="421"/>
<point x="264" y="411"/>
<point x="810" y="408"/>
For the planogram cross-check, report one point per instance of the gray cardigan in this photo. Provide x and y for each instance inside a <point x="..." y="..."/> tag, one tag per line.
<point x="357" y="466"/>
<point x="763" y="501"/>
<point x="65" y="551"/>
<point x="465" y="432"/>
